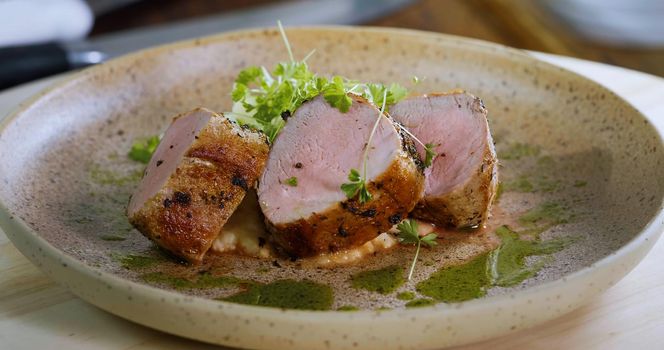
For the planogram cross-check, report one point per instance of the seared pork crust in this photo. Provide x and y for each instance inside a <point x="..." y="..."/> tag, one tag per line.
<point x="468" y="205"/>
<point x="349" y="223"/>
<point x="187" y="214"/>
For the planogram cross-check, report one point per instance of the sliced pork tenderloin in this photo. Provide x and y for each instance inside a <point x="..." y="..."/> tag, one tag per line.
<point x="196" y="178"/>
<point x="462" y="181"/>
<point x="318" y="146"/>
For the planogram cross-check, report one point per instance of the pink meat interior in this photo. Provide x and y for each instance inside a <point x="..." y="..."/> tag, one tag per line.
<point x="318" y="146"/>
<point x="176" y="141"/>
<point x="447" y="121"/>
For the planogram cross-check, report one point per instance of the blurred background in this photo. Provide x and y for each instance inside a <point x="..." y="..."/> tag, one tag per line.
<point x="43" y="37"/>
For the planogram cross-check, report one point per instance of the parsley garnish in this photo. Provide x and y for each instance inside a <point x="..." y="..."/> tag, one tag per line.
<point x="382" y="95"/>
<point x="142" y="149"/>
<point x="408" y="234"/>
<point x="292" y="181"/>
<point x="260" y="96"/>
<point x="359" y="184"/>
<point x="430" y="154"/>
<point x="336" y="95"/>
<point x="356" y="185"/>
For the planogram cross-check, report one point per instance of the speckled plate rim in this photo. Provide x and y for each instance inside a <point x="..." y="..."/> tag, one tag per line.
<point x="58" y="265"/>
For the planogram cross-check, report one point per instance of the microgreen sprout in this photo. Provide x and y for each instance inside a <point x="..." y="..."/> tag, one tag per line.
<point x="409" y="234"/>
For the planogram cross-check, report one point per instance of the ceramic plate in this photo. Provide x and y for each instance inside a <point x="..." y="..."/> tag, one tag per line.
<point x="580" y="204"/>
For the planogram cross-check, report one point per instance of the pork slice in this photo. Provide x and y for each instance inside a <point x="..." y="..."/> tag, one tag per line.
<point x="196" y="178"/>
<point x="461" y="183"/>
<point x="318" y="146"/>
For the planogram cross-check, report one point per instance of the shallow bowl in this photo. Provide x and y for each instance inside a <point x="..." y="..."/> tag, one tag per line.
<point x="64" y="181"/>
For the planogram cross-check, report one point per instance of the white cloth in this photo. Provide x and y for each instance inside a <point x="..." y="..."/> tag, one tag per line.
<point x="36" y="21"/>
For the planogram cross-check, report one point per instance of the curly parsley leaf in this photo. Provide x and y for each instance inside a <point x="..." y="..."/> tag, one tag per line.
<point x="395" y="93"/>
<point x="142" y="149"/>
<point x="378" y="94"/>
<point x="430" y="154"/>
<point x="248" y="75"/>
<point x="409" y="234"/>
<point x="356" y="187"/>
<point x="354" y="175"/>
<point x="336" y="94"/>
<point x="365" y="196"/>
<point x="350" y="188"/>
<point x="260" y="96"/>
<point x="430" y="239"/>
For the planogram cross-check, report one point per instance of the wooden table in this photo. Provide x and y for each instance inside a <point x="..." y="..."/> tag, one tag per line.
<point x="35" y="313"/>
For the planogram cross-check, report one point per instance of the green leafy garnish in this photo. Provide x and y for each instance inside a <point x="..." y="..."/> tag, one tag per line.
<point x="359" y="183"/>
<point x="336" y="95"/>
<point x="408" y="234"/>
<point x="356" y="185"/>
<point x="292" y="181"/>
<point x="141" y="150"/>
<point x="430" y="154"/>
<point x="264" y="99"/>
<point x="381" y="95"/>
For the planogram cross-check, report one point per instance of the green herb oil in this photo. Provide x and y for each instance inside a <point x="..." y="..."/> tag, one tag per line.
<point x="287" y="294"/>
<point x="383" y="281"/>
